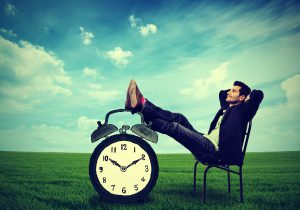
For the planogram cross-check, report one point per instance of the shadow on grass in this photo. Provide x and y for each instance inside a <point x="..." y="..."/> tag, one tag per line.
<point x="172" y="192"/>
<point x="98" y="201"/>
<point x="56" y="203"/>
<point x="43" y="182"/>
<point x="216" y="196"/>
<point x="220" y="197"/>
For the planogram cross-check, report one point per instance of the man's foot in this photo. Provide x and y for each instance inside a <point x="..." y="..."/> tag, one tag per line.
<point x="133" y="97"/>
<point x="127" y="102"/>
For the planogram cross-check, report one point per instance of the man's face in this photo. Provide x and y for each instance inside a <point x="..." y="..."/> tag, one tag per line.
<point x="233" y="95"/>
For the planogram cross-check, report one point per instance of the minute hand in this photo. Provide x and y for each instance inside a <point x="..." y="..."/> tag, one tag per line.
<point x="133" y="162"/>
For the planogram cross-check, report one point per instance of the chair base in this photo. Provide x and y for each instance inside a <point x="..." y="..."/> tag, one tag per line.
<point x="222" y="167"/>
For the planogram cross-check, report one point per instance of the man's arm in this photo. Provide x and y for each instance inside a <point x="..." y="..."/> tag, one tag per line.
<point x="222" y="98"/>
<point x="252" y="102"/>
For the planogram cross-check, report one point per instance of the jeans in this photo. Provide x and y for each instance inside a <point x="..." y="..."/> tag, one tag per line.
<point x="178" y="127"/>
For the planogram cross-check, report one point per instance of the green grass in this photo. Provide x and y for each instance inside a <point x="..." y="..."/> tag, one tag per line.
<point x="61" y="181"/>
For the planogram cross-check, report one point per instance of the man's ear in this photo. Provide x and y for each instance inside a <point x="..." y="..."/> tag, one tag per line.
<point x="242" y="97"/>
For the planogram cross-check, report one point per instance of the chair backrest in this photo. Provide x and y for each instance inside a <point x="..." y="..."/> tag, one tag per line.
<point x="246" y="138"/>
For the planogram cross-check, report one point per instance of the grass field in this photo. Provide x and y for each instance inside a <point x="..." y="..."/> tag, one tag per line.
<point x="61" y="181"/>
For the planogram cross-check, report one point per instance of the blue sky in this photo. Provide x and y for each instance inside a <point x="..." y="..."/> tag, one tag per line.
<point x="65" y="64"/>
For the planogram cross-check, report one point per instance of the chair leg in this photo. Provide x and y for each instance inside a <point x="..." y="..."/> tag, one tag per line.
<point x="228" y="178"/>
<point x="204" y="187"/>
<point x="195" y="176"/>
<point x="204" y="184"/>
<point x="241" y="185"/>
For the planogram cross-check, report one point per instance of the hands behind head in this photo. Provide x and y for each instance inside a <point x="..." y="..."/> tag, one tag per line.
<point x="247" y="98"/>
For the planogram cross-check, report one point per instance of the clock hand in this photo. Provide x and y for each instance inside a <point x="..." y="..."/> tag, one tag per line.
<point x="115" y="163"/>
<point x="134" y="162"/>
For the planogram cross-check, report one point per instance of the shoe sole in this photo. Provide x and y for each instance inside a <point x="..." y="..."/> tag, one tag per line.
<point x="132" y="96"/>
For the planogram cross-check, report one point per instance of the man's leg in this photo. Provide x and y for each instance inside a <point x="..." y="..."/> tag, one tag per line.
<point x="193" y="141"/>
<point x="174" y="125"/>
<point x="135" y="101"/>
<point x="150" y="111"/>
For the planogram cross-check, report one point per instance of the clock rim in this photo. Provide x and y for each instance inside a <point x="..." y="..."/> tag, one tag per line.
<point x="120" y="198"/>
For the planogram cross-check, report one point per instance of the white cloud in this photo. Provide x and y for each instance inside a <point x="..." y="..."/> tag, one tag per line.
<point x="8" y="32"/>
<point x="29" y="71"/>
<point x="291" y="87"/>
<point x="46" y="30"/>
<point x="96" y="92"/>
<point x="10" y="9"/>
<point x="50" y="138"/>
<point x="203" y="87"/>
<point x="261" y="23"/>
<point x="90" y="72"/>
<point x="85" y="36"/>
<point x="86" y="125"/>
<point x="144" y="30"/>
<point x="276" y="128"/>
<point x="54" y="138"/>
<point x="148" y="29"/>
<point x="20" y="105"/>
<point x="45" y="138"/>
<point x="134" y="22"/>
<point x="118" y="56"/>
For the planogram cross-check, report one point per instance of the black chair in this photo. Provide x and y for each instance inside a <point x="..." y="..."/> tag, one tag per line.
<point x="215" y="164"/>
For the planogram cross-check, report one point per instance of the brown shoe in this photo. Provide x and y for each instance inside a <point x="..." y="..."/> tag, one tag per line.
<point x="134" y="96"/>
<point x="127" y="102"/>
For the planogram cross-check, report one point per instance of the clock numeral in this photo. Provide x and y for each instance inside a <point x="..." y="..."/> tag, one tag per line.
<point x="101" y="169"/>
<point x="104" y="179"/>
<point x="113" y="149"/>
<point x="105" y="158"/>
<point x="143" y="179"/>
<point x="123" y="190"/>
<point x="136" y="187"/>
<point x="146" y="168"/>
<point x="123" y="146"/>
<point x="133" y="149"/>
<point x="143" y="157"/>
<point x="113" y="187"/>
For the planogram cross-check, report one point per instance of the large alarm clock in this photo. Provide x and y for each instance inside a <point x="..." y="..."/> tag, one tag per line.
<point x="124" y="167"/>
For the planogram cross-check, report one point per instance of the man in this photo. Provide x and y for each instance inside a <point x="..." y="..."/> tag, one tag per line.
<point x="225" y="137"/>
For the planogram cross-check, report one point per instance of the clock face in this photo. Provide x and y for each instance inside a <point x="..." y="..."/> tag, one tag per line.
<point x="123" y="168"/>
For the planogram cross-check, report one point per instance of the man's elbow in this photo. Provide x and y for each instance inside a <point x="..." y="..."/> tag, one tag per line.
<point x="257" y="95"/>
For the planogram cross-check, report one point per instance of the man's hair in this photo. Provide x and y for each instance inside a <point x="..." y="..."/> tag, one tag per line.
<point x="245" y="90"/>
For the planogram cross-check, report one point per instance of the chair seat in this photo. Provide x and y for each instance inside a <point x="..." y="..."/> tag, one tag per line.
<point x="213" y="161"/>
<point x="208" y="159"/>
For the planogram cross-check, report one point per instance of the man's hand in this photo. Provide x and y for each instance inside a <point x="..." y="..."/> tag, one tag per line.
<point x="247" y="98"/>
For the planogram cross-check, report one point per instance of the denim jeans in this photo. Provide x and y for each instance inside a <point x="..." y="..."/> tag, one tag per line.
<point x="178" y="127"/>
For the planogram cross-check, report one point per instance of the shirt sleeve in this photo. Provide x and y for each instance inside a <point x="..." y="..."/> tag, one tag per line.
<point x="251" y="106"/>
<point x="222" y="98"/>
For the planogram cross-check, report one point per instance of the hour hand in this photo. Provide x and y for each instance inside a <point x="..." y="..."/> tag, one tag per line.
<point x="115" y="163"/>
